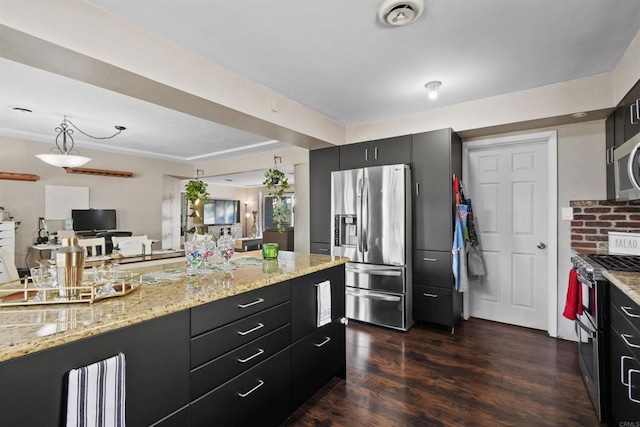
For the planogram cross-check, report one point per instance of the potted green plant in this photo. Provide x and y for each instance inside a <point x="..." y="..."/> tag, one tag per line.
<point x="277" y="183"/>
<point x="195" y="192"/>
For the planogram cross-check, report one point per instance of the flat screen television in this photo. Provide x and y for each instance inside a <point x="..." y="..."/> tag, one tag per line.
<point x="93" y="219"/>
<point x="221" y="212"/>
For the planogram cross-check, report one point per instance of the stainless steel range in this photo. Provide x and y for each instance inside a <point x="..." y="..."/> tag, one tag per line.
<point x="592" y="325"/>
<point x="591" y="329"/>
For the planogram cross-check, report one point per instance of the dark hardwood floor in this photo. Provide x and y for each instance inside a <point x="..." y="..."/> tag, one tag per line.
<point x="487" y="374"/>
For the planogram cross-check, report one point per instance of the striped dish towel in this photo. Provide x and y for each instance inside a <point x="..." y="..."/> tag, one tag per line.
<point x="96" y="395"/>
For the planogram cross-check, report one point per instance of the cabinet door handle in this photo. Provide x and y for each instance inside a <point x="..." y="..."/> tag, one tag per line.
<point x="635" y="116"/>
<point x="626" y="311"/>
<point x="630" y="387"/>
<point x="375" y="153"/>
<point x="326" y="340"/>
<point x="430" y="259"/>
<point x="323" y="250"/>
<point x="417" y="188"/>
<point x="260" y="351"/>
<point x="430" y="295"/>
<point x="260" y="384"/>
<point x="258" y="301"/>
<point x="624" y="338"/>
<point x="622" y="375"/>
<point x="260" y="326"/>
<point x="366" y="154"/>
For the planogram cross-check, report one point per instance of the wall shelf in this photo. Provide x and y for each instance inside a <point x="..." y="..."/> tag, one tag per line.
<point x="19" y="176"/>
<point x="101" y="172"/>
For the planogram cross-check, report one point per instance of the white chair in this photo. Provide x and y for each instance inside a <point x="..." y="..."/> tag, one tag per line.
<point x="91" y="246"/>
<point x="132" y="245"/>
<point x="8" y="271"/>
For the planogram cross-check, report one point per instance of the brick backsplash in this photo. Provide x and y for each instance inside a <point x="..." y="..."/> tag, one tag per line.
<point x="593" y="219"/>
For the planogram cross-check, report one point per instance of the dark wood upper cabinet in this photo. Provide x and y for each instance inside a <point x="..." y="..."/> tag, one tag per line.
<point x="321" y="163"/>
<point x="388" y="151"/>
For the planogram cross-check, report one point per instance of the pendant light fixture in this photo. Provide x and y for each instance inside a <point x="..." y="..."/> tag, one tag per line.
<point x="64" y="155"/>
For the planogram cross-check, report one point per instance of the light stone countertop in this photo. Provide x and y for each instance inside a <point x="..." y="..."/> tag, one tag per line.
<point x="628" y="283"/>
<point x="28" y="329"/>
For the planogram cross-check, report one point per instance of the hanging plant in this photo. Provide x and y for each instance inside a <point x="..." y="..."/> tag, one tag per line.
<point x="196" y="191"/>
<point x="277" y="183"/>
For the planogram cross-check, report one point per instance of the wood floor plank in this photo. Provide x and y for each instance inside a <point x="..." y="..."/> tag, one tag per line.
<point x="486" y="374"/>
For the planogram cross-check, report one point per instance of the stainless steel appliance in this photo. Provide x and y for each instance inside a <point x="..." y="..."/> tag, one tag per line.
<point x="592" y="326"/>
<point x="371" y="212"/>
<point x="626" y="160"/>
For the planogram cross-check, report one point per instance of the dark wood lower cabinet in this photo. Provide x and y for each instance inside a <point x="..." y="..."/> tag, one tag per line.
<point x="224" y="363"/>
<point x="33" y="387"/>
<point x="258" y="397"/>
<point x="316" y="359"/>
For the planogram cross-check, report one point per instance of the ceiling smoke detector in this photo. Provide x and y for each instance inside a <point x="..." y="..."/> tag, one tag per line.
<point x="400" y="12"/>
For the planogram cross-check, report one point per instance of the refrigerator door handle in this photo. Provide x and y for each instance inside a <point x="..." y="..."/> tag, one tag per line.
<point x="395" y="273"/>
<point x="359" y="213"/>
<point x="389" y="298"/>
<point x="365" y="216"/>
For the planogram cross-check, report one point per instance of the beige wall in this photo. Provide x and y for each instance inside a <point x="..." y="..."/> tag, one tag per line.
<point x="581" y="176"/>
<point x="138" y="201"/>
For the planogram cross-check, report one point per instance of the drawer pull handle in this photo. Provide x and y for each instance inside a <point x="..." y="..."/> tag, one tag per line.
<point x="260" y="351"/>
<point x="258" y="301"/>
<point x="326" y="340"/>
<point x="430" y="259"/>
<point x="323" y="250"/>
<point x="630" y="387"/>
<point x="260" y="326"/>
<point x="625" y="336"/>
<point x="622" y="375"/>
<point x="626" y="311"/>
<point x="430" y="295"/>
<point x="260" y="384"/>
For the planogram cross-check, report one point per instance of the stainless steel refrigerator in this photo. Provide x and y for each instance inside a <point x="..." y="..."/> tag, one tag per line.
<point x="371" y="212"/>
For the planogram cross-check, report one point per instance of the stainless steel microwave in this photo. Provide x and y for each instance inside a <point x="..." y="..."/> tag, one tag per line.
<point x="626" y="161"/>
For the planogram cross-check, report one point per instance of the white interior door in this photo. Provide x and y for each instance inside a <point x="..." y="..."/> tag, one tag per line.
<point x="508" y="185"/>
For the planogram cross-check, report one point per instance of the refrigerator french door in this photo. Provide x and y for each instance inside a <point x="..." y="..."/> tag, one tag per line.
<point x="371" y="211"/>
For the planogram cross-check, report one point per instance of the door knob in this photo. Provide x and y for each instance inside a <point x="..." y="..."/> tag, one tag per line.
<point x="541" y="245"/>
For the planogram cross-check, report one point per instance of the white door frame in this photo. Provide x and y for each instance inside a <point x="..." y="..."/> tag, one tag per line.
<point x="551" y="139"/>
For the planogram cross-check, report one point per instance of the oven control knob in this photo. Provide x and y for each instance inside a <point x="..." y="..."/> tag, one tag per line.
<point x="541" y="245"/>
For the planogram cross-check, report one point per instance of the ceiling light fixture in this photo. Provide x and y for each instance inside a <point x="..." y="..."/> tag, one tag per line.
<point x="432" y="88"/>
<point x="579" y="115"/>
<point x="65" y="156"/>
<point x="400" y="12"/>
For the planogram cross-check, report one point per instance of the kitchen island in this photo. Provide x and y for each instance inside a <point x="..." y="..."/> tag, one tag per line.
<point x="194" y="347"/>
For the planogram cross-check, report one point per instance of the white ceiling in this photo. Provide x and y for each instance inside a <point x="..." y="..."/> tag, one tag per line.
<point x="332" y="56"/>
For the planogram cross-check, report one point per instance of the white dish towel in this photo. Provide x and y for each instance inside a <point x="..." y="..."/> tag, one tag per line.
<point x="324" y="302"/>
<point x="96" y="395"/>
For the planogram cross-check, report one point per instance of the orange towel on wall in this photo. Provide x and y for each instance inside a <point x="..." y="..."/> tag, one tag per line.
<point x="573" y="305"/>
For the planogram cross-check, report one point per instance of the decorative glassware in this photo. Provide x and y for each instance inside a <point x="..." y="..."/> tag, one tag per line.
<point x="105" y="276"/>
<point x="226" y="246"/>
<point x="194" y="252"/>
<point x="43" y="278"/>
<point x="270" y="250"/>
<point x="209" y="250"/>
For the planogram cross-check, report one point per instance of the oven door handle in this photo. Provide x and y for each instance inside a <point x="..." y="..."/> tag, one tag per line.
<point x="584" y="281"/>
<point x="592" y="333"/>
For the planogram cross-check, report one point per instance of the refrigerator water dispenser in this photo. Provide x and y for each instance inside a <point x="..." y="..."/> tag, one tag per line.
<point x="346" y="233"/>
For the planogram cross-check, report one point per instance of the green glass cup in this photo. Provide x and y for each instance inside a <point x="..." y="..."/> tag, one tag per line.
<point x="270" y="250"/>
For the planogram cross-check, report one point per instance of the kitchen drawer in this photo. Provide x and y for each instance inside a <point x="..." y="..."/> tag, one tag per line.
<point x="219" y="341"/>
<point x="622" y="384"/>
<point x="304" y="303"/>
<point x="210" y="375"/>
<point x="629" y="310"/>
<point x="315" y="360"/>
<point x="259" y="397"/>
<point x="215" y="314"/>
<point x="7" y="234"/>
<point x="432" y="304"/>
<point x="432" y="268"/>
<point x="627" y="331"/>
<point x="7" y="225"/>
<point x="179" y="418"/>
<point x="321" y="248"/>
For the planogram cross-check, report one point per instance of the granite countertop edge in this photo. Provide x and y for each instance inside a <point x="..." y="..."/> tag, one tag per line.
<point x="12" y="350"/>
